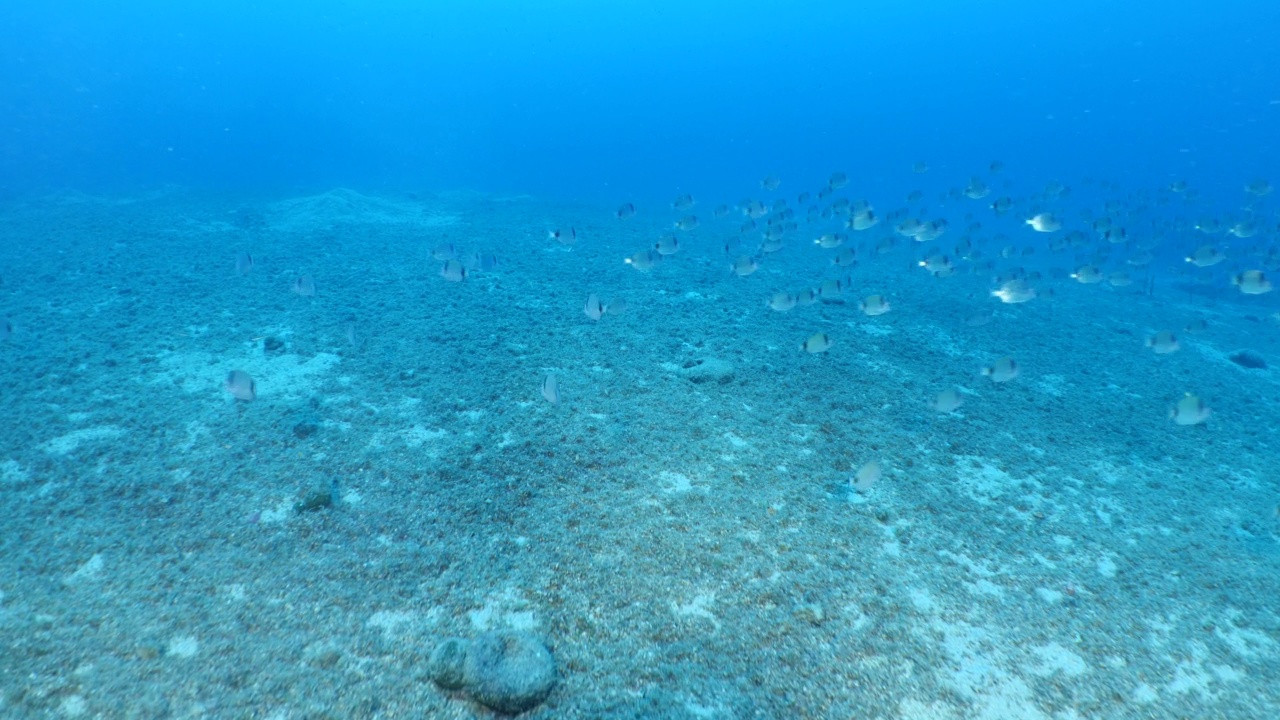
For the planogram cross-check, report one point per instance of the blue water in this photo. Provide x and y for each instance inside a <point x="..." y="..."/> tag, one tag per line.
<point x="446" y="481"/>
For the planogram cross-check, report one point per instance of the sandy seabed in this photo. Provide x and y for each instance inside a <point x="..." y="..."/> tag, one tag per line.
<point x="679" y="530"/>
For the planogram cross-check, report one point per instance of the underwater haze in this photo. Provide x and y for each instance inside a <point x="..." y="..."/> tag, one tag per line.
<point x="691" y="361"/>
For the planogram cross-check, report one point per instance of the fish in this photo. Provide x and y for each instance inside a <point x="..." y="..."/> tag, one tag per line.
<point x="782" y="302"/>
<point x="1014" y="292"/>
<point x="616" y="306"/>
<point x="551" y="389"/>
<point x="1258" y="187"/>
<point x="244" y="263"/>
<point x="976" y="189"/>
<point x="593" y="309"/>
<point x="6" y="329"/>
<point x="1002" y="204"/>
<point x="829" y="240"/>
<point x="874" y="305"/>
<point x="837" y="180"/>
<point x="831" y="289"/>
<point x="304" y="286"/>
<point x="684" y="202"/>
<point x="667" y="245"/>
<point x="1252" y="282"/>
<point x="1044" y="222"/>
<point x="688" y="222"/>
<point x="1190" y="410"/>
<point x="869" y="474"/>
<point x="240" y="385"/>
<point x="848" y="257"/>
<point x="947" y="401"/>
<point x="770" y="183"/>
<point x="1206" y="256"/>
<point x="817" y="343"/>
<point x="938" y="265"/>
<point x="568" y="237"/>
<point x="1196" y="326"/>
<point x="863" y="220"/>
<point x="444" y="251"/>
<point x="453" y="271"/>
<point x="645" y="260"/>
<point x="744" y="266"/>
<point x="625" y="210"/>
<point x="1163" y="342"/>
<point x="1088" y="275"/>
<point x="920" y="168"/>
<point x="1002" y="370"/>
<point x="806" y="298"/>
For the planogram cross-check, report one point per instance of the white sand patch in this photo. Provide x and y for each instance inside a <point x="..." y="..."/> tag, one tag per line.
<point x="73" y="706"/>
<point x="91" y="570"/>
<point x="1052" y="385"/>
<point x="1055" y="658"/>
<point x="505" y="610"/>
<point x="275" y="377"/>
<point x="11" y="471"/>
<point x="183" y="646"/>
<point x="698" y="607"/>
<point x="278" y="514"/>
<point x="1107" y="567"/>
<point x="674" y="483"/>
<point x="1145" y="694"/>
<point x="417" y="436"/>
<point x="390" y="621"/>
<point x="72" y="440"/>
<point x="977" y="675"/>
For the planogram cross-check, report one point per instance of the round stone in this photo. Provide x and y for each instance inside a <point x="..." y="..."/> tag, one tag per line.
<point x="445" y="666"/>
<point x="509" y="671"/>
